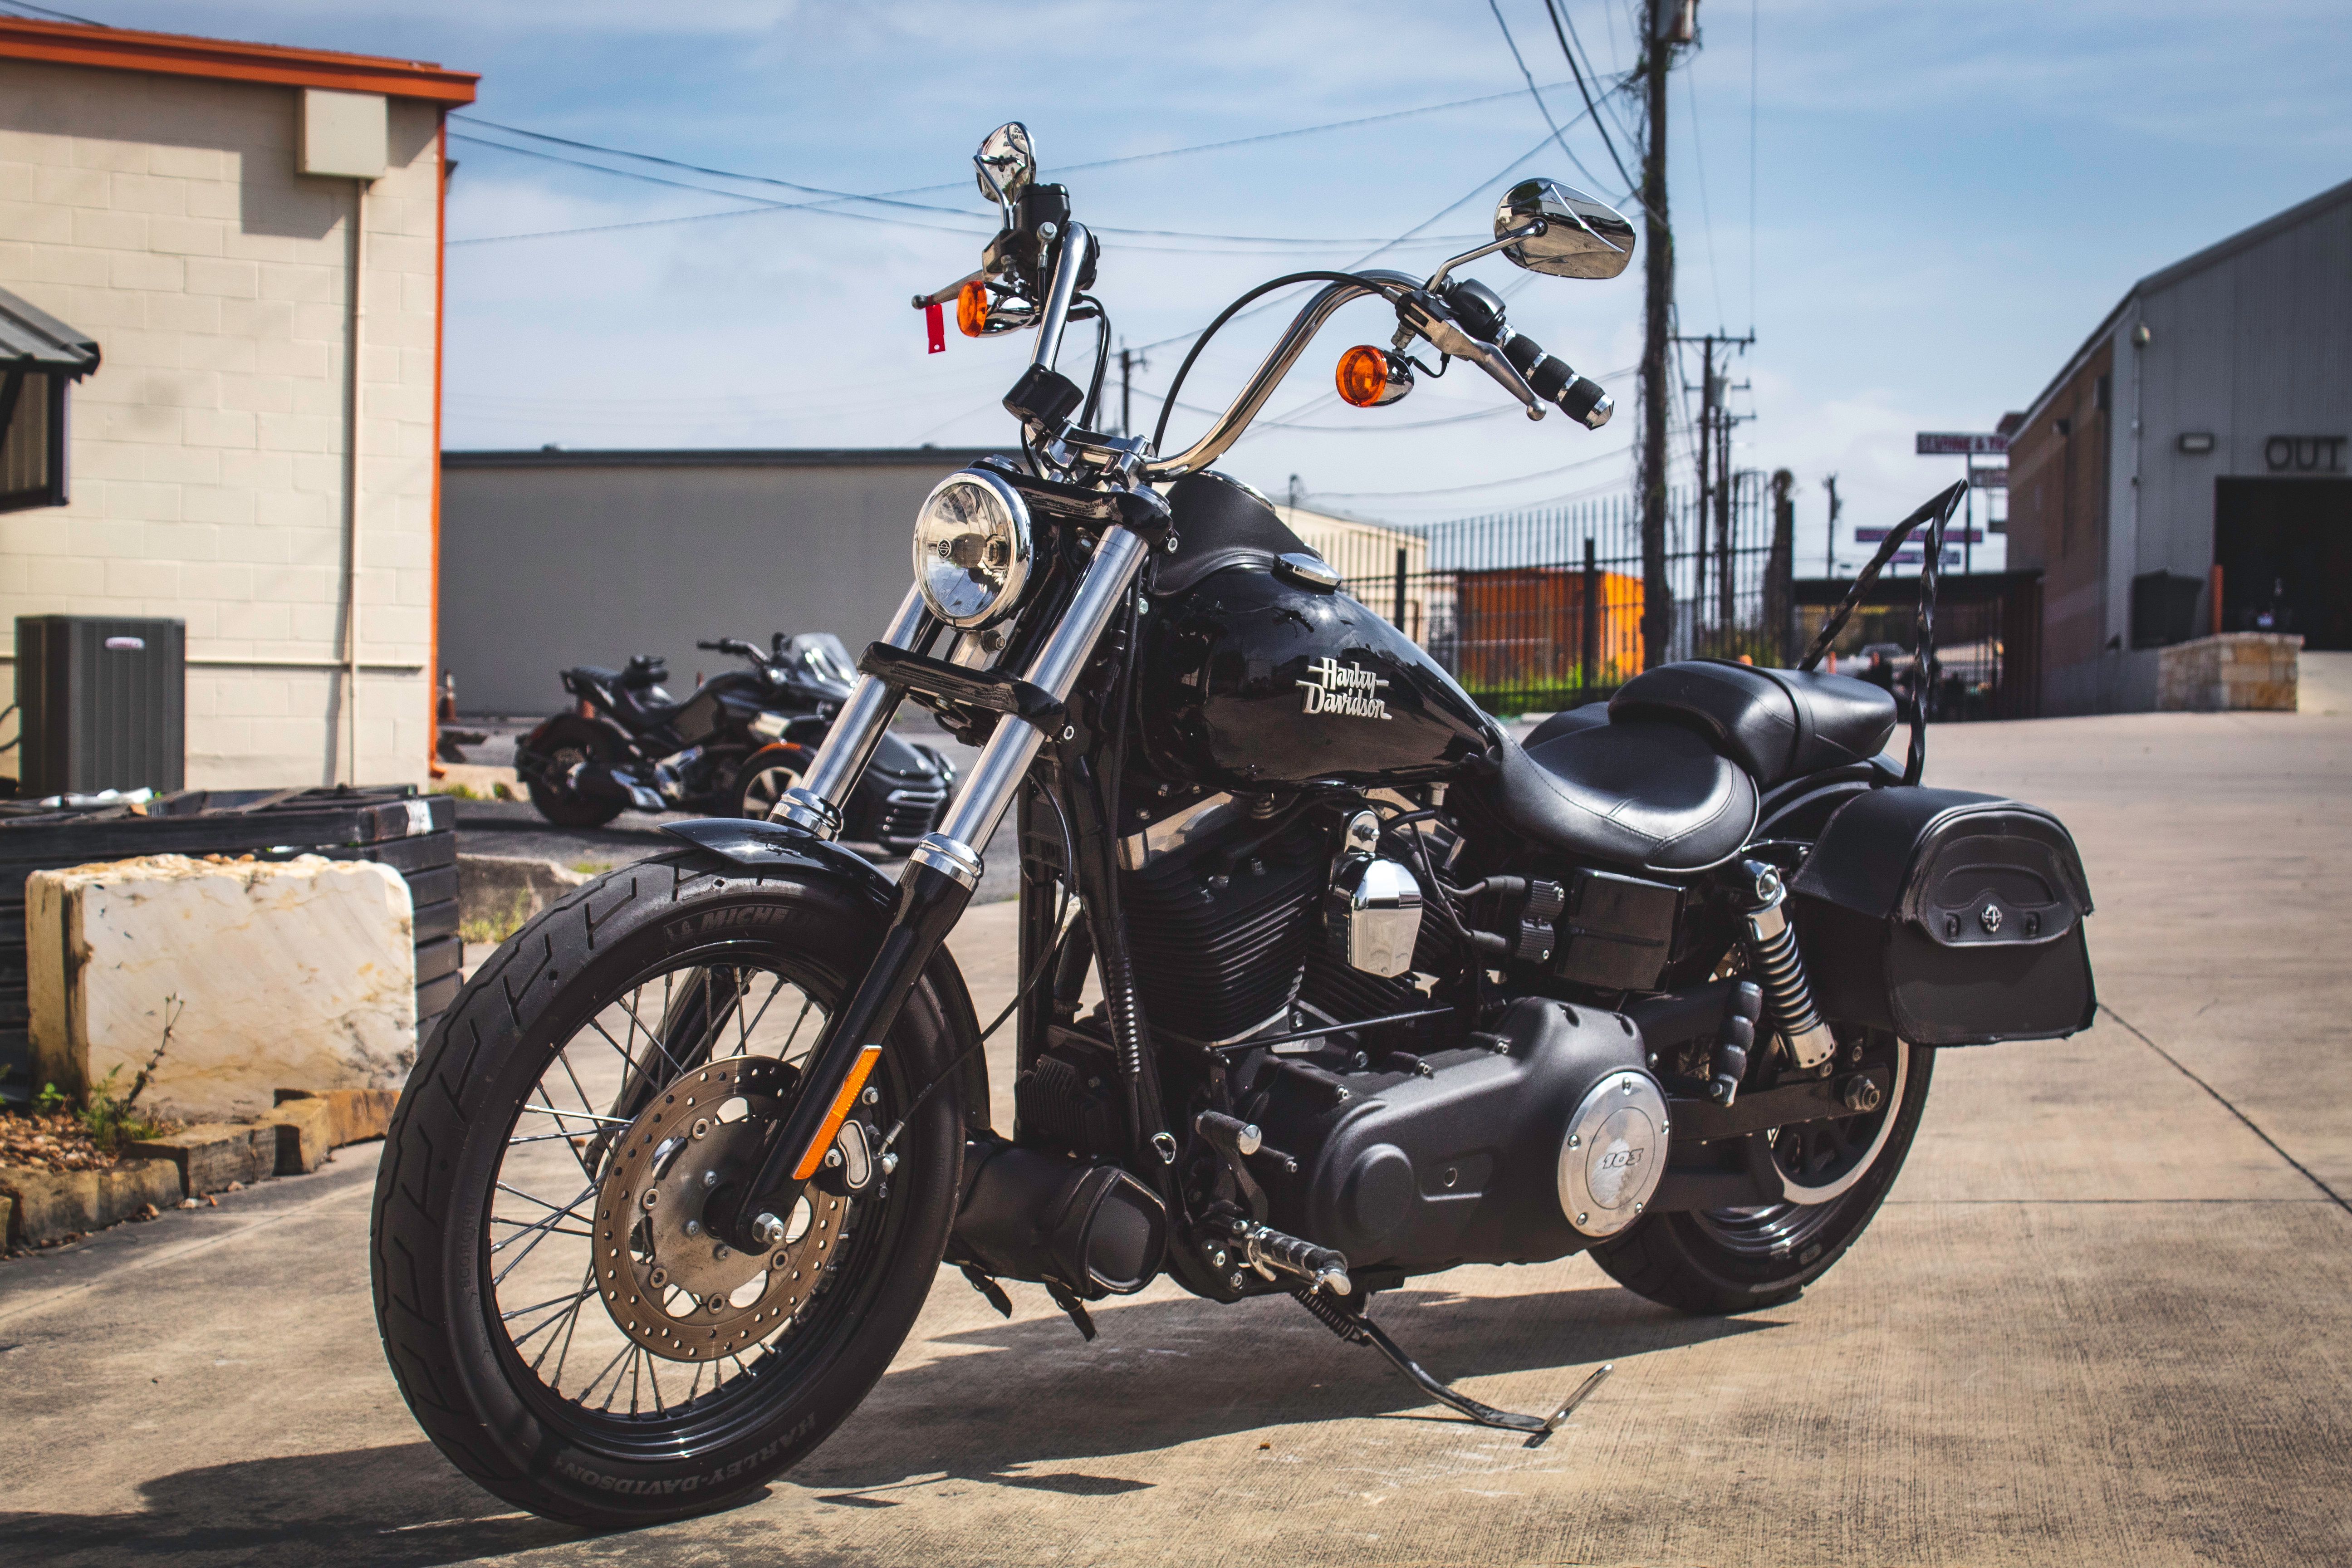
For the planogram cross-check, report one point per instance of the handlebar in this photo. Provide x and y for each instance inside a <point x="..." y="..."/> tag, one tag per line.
<point x="735" y="646"/>
<point x="1579" y="397"/>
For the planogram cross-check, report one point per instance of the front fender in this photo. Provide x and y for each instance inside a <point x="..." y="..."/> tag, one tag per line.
<point x="776" y="846"/>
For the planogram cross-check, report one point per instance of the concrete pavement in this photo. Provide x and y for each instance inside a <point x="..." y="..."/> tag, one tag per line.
<point x="2104" y="1318"/>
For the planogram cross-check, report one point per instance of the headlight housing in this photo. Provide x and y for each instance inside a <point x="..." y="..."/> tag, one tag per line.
<point x="972" y="549"/>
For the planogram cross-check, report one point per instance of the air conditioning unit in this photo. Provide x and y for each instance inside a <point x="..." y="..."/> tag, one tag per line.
<point x="102" y="703"/>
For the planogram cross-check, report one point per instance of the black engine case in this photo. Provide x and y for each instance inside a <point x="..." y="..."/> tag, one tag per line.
<point x="1421" y="1174"/>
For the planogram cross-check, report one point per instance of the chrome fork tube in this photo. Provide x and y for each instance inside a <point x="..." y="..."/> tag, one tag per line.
<point x="955" y="849"/>
<point x="1059" y="293"/>
<point x="816" y="802"/>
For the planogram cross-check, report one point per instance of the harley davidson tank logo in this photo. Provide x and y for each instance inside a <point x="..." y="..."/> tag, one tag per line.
<point x="1343" y="689"/>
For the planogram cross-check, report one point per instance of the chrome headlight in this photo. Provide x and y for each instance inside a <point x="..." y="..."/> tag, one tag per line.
<point x="971" y="549"/>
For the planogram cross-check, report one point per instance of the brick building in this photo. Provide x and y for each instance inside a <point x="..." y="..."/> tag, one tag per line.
<point x="2206" y="424"/>
<point x="226" y="220"/>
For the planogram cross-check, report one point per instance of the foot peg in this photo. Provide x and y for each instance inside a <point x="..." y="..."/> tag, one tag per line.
<point x="1350" y="1324"/>
<point x="1734" y="1040"/>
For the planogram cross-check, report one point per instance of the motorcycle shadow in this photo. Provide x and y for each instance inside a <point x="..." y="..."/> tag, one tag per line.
<point x="990" y="1402"/>
<point x="397" y="1507"/>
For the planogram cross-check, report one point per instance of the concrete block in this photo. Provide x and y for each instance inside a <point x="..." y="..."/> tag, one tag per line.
<point x="357" y="1115"/>
<point x="53" y="1205"/>
<point x="210" y="1155"/>
<point x="306" y="1135"/>
<point x="300" y="971"/>
<point x="50" y="1205"/>
<point x="135" y="1183"/>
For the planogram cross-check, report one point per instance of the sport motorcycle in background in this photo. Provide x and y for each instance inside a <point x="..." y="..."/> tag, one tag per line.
<point x="1386" y="991"/>
<point x="733" y="747"/>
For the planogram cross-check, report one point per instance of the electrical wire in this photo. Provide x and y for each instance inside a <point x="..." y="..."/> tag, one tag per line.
<point x="1485" y="485"/>
<point x="1159" y="432"/>
<point x="1554" y="10"/>
<point x="42" y="13"/>
<point x="1541" y="106"/>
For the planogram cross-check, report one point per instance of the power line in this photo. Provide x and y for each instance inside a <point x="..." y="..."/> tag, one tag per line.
<point x="43" y="11"/>
<point x="825" y="207"/>
<point x="1553" y="11"/>
<point x="893" y="197"/>
<point x="1541" y="106"/>
<point x="1487" y="485"/>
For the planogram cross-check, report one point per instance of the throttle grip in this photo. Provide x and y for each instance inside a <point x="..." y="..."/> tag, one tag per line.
<point x="1581" y="399"/>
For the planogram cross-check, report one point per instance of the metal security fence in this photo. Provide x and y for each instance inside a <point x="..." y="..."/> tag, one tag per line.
<point x="1987" y="662"/>
<point x="1539" y="610"/>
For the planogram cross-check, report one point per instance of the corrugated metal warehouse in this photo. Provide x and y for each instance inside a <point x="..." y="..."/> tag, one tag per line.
<point x="2205" y="422"/>
<point x="553" y="558"/>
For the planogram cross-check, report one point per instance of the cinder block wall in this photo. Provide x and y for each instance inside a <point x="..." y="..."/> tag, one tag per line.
<point x="162" y="217"/>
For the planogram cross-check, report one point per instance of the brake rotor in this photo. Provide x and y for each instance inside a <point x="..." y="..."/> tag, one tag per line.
<point x="671" y="1286"/>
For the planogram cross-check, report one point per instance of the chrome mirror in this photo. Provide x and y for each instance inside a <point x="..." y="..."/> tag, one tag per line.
<point x="1007" y="164"/>
<point x="1581" y="237"/>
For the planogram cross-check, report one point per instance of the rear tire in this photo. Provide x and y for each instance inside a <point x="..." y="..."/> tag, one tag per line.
<point x="569" y="743"/>
<point x="469" y="1120"/>
<point x="1716" y="1261"/>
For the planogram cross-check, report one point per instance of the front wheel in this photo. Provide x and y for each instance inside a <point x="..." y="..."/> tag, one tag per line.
<point x="1835" y="1175"/>
<point x="558" y="1320"/>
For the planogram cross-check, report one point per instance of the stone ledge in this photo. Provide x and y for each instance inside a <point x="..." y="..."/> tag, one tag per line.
<point x="306" y="1135"/>
<point x="50" y="1205"/>
<point x="357" y="1115"/>
<point x="210" y="1155"/>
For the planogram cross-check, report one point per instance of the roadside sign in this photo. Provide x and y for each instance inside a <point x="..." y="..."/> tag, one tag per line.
<point x="1953" y="444"/>
<point x="1989" y="479"/>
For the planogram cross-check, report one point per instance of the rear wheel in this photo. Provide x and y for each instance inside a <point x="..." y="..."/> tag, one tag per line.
<point x="764" y="777"/>
<point x="558" y="1320"/>
<point x="1835" y="1175"/>
<point x="569" y="745"/>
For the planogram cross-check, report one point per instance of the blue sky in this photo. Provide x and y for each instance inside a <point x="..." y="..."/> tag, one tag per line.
<point x="1945" y="200"/>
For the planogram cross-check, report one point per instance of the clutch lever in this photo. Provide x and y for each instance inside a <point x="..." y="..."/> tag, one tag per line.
<point x="1424" y="316"/>
<point x="946" y="295"/>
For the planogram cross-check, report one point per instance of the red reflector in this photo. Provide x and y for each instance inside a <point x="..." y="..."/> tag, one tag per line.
<point x="935" y="323"/>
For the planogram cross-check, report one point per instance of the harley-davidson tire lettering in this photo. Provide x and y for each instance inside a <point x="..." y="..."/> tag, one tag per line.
<point x="1344" y="690"/>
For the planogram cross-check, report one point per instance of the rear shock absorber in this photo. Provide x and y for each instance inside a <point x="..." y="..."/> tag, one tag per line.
<point x="1772" y="944"/>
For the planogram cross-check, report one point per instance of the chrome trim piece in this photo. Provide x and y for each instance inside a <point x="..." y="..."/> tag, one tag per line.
<point x="1170" y="834"/>
<point x="1613" y="1152"/>
<point x="1005" y="759"/>
<point x="856" y="731"/>
<point x="1065" y="288"/>
<point x="1306" y="570"/>
<point x="1276" y="365"/>
<point x="949" y="856"/>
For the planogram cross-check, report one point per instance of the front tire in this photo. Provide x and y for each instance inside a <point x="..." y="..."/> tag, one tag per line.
<point x="1716" y="1261"/>
<point x="491" y="1200"/>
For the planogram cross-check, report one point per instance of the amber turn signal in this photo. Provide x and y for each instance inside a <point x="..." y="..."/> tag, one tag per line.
<point x="1363" y="375"/>
<point x="972" y="309"/>
<point x="1369" y="377"/>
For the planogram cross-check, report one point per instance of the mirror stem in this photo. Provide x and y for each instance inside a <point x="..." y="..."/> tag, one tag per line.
<point x="1529" y="232"/>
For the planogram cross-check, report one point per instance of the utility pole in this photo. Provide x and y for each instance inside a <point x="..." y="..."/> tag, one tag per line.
<point x="1714" y="476"/>
<point x="1828" y="550"/>
<point x="1781" y="568"/>
<point x="1666" y="25"/>
<point x="1129" y="363"/>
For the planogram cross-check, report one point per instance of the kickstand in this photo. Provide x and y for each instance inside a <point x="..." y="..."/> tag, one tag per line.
<point x="1352" y="1326"/>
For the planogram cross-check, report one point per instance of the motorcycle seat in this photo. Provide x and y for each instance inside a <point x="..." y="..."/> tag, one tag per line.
<point x="1779" y="724"/>
<point x="1646" y="794"/>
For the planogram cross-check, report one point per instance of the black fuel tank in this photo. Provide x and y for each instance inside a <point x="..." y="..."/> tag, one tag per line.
<point x="1250" y="678"/>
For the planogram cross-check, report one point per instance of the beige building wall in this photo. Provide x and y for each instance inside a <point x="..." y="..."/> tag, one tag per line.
<point x="209" y="457"/>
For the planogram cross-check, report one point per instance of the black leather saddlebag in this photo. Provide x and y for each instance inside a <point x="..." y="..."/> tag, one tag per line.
<point x="1951" y="918"/>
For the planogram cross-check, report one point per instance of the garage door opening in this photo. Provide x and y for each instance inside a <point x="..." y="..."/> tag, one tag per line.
<point x="2285" y="551"/>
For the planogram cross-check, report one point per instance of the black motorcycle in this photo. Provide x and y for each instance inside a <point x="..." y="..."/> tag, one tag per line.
<point x="1386" y="991"/>
<point x="733" y="748"/>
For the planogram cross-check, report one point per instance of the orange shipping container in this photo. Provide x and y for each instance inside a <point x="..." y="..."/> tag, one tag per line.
<point x="1523" y="627"/>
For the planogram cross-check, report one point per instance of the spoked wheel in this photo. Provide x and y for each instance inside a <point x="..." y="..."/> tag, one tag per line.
<point x="1833" y="1175"/>
<point x="562" y="1323"/>
<point x="764" y="777"/>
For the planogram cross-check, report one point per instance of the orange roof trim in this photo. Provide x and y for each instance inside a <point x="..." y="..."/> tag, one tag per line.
<point x="220" y="60"/>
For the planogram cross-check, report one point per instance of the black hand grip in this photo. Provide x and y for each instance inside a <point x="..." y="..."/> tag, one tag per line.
<point x="711" y="647"/>
<point x="1522" y="352"/>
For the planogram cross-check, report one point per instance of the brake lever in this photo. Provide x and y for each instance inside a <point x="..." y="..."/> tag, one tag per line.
<point x="1423" y="315"/>
<point x="945" y="295"/>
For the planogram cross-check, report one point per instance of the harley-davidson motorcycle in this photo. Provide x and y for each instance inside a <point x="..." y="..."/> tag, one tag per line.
<point x="738" y="741"/>
<point x="1384" y="990"/>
